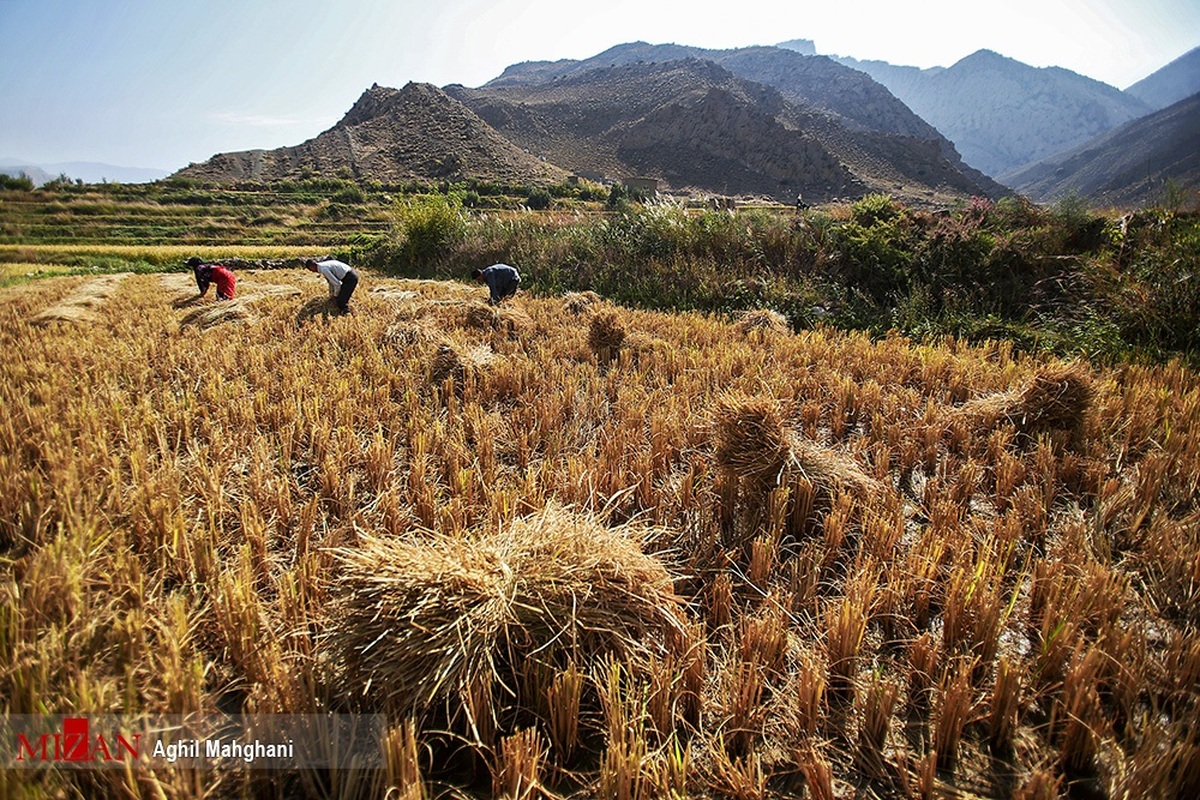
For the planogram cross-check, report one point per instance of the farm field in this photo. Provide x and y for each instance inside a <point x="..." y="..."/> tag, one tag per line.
<point x="574" y="549"/>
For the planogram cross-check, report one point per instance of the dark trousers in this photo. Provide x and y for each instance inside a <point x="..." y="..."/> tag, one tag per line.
<point x="504" y="292"/>
<point x="348" y="285"/>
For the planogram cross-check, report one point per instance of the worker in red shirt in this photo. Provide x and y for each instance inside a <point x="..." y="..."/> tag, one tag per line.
<point x="219" y="274"/>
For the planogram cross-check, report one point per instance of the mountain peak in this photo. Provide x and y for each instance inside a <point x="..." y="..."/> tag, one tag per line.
<point x="985" y="57"/>
<point x="381" y="100"/>
<point x="370" y="104"/>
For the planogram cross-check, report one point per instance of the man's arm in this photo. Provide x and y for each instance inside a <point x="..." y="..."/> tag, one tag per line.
<point x="334" y="284"/>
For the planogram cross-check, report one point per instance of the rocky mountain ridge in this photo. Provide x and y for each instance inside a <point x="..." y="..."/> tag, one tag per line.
<point x="755" y="121"/>
<point x="1002" y="114"/>
<point x="1130" y="166"/>
<point x="391" y="136"/>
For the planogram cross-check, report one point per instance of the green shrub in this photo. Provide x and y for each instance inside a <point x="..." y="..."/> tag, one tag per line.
<point x="426" y="229"/>
<point x="876" y="258"/>
<point x="876" y="208"/>
<point x="1159" y="291"/>
<point x="349" y="195"/>
<point x="618" y="197"/>
<point x="539" y="199"/>
<point x="20" y="182"/>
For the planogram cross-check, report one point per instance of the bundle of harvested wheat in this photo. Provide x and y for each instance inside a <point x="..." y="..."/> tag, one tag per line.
<point x="1055" y="399"/>
<point x="459" y="363"/>
<point x="828" y="469"/>
<point x="507" y="320"/>
<point x="394" y="294"/>
<point x="580" y="302"/>
<point x="407" y="333"/>
<point x="418" y="624"/>
<point x="514" y="323"/>
<point x="221" y="312"/>
<point x="644" y="344"/>
<point x="606" y="334"/>
<point x="83" y="304"/>
<point x="762" y="320"/>
<point x="752" y="440"/>
<point x="479" y="315"/>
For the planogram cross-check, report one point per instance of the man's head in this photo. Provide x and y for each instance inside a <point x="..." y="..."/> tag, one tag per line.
<point x="311" y="265"/>
<point x="477" y="274"/>
<point x="194" y="262"/>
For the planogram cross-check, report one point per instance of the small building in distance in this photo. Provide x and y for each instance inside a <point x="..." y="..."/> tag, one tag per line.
<point x="647" y="186"/>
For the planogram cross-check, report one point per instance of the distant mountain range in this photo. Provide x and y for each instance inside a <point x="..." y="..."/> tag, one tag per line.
<point x="754" y="121"/>
<point x="86" y="171"/>
<point x="1176" y="81"/>
<point x="768" y="121"/>
<point x="1002" y="114"/>
<point x="1129" y="166"/>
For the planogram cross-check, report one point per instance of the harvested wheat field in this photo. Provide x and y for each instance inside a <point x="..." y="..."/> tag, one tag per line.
<point x="574" y="550"/>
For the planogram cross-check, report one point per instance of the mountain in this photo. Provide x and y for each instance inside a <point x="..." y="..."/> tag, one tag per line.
<point x="757" y="121"/>
<point x="1172" y="83"/>
<point x="1002" y="114"/>
<point x="16" y="169"/>
<point x="689" y="122"/>
<point x="805" y="47"/>
<point x="393" y="136"/>
<point x="853" y="117"/>
<point x="1129" y="166"/>
<point x="814" y="81"/>
<point x="86" y="171"/>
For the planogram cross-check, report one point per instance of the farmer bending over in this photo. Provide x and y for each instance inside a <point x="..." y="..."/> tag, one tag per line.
<point x="213" y="273"/>
<point x="502" y="281"/>
<point x="341" y="277"/>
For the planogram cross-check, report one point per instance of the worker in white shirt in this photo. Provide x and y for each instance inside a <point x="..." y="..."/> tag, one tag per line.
<point x="341" y="277"/>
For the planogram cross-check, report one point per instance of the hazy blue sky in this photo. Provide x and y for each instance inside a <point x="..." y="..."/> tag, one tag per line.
<point x="160" y="83"/>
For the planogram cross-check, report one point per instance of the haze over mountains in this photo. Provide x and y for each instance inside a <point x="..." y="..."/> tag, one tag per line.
<point x="86" y="171"/>
<point x="1003" y="114"/>
<point x="1129" y="166"/>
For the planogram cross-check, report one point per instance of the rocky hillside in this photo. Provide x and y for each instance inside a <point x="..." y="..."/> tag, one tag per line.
<point x="755" y="121"/>
<point x="1126" y="167"/>
<point x="814" y="82"/>
<point x="1002" y="114"/>
<point x="392" y="136"/>
<point x="690" y="123"/>
<point x="855" y="119"/>
<point x="1176" y="81"/>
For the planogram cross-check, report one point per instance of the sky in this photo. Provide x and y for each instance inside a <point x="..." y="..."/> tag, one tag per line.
<point x="163" y="83"/>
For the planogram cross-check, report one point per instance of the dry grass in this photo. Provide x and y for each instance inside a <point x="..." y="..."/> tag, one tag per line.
<point x="817" y="563"/>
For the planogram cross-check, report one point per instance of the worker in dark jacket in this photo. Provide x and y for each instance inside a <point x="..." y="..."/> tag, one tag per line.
<point x="502" y="281"/>
<point x="207" y="274"/>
